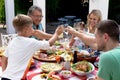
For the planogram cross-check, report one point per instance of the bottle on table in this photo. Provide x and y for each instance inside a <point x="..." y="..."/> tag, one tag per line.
<point x="75" y="57"/>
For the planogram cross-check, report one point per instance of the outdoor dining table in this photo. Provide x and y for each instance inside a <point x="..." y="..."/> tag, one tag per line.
<point x="35" y="71"/>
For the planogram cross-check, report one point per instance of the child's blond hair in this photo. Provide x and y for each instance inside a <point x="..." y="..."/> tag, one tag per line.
<point x="21" y="21"/>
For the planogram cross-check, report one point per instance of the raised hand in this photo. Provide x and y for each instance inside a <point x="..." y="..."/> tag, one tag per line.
<point x="59" y="29"/>
<point x="71" y="30"/>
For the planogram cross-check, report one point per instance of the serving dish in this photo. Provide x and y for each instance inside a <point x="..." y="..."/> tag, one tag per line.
<point x="47" y="67"/>
<point x="90" y="58"/>
<point x="52" y="55"/>
<point x="38" y="77"/>
<point x="82" y="68"/>
<point x="65" y="73"/>
<point x="45" y="57"/>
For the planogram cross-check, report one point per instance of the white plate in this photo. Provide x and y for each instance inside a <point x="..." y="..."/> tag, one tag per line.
<point x="47" y="67"/>
<point x="37" y="77"/>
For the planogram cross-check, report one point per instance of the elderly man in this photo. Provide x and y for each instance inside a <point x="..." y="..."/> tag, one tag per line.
<point x="35" y="13"/>
<point x="107" y="40"/>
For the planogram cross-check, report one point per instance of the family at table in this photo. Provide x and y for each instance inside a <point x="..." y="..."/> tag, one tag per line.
<point x="100" y="35"/>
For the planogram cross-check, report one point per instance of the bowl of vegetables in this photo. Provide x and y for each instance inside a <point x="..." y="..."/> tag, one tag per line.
<point x="82" y="68"/>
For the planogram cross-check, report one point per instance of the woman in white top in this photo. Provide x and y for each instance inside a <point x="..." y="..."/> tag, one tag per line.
<point x="93" y="18"/>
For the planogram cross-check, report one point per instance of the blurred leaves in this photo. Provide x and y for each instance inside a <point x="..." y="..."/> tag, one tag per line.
<point x="21" y="6"/>
<point x="2" y="11"/>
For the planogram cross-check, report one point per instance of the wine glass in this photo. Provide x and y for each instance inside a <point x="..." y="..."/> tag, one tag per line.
<point x="66" y="38"/>
<point x="65" y="31"/>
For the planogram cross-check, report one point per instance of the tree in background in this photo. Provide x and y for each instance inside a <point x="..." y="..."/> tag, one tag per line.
<point x="2" y="11"/>
<point x="21" y="6"/>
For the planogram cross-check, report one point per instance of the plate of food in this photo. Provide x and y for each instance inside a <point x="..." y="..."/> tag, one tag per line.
<point x="82" y="68"/>
<point x="42" y="76"/>
<point x="52" y="76"/>
<point x="45" y="55"/>
<point x="47" y="67"/>
<point x="65" y="73"/>
<point x="85" y="55"/>
<point x="51" y="55"/>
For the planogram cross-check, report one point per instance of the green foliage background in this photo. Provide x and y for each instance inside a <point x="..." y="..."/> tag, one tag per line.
<point x="2" y="11"/>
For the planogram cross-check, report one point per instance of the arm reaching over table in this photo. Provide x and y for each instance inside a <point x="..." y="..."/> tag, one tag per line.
<point x="72" y="40"/>
<point x="89" y="40"/>
<point x="41" y="35"/>
<point x="58" y="31"/>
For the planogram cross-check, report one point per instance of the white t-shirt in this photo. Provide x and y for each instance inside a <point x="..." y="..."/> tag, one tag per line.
<point x="19" y="52"/>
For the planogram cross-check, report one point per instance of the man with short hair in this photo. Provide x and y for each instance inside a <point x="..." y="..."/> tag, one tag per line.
<point x="35" y="13"/>
<point x="107" y="40"/>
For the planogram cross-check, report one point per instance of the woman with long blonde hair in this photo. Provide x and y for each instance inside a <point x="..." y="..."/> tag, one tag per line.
<point x="93" y="18"/>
